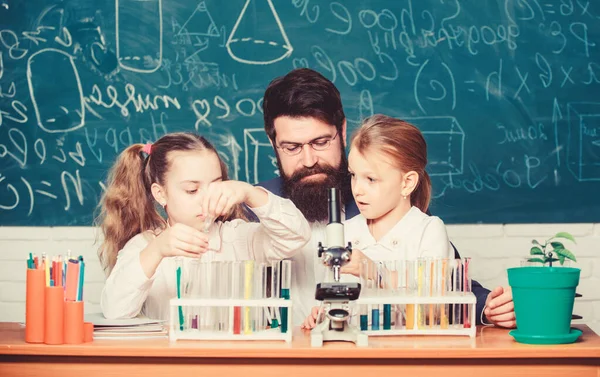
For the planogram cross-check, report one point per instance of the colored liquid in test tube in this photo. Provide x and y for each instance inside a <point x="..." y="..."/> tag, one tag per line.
<point x="466" y="288"/>
<point x="457" y="287"/>
<point x="386" y="288"/>
<point x="421" y="291"/>
<point x="236" y="293"/>
<point x="275" y="291"/>
<point x="375" y="311"/>
<point x="432" y="291"/>
<point x="248" y="281"/>
<point x="364" y="282"/>
<point x="286" y="282"/>
<point x="444" y="308"/>
<point x="411" y="284"/>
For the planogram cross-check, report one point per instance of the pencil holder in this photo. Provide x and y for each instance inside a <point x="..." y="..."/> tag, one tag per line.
<point x="34" y="306"/>
<point x="54" y="311"/>
<point x="88" y="332"/>
<point x="73" y="322"/>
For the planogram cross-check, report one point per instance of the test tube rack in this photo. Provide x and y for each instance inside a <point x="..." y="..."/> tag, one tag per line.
<point x="417" y="302"/>
<point x="175" y="332"/>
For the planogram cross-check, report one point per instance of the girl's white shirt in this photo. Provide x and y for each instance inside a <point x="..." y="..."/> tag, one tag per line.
<point x="281" y="233"/>
<point x="416" y="235"/>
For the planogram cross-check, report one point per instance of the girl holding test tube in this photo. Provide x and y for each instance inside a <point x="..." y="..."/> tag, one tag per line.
<point x="183" y="174"/>
<point x="392" y="191"/>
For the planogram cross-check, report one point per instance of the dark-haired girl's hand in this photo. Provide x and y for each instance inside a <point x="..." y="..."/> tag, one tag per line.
<point x="220" y="197"/>
<point x="181" y="240"/>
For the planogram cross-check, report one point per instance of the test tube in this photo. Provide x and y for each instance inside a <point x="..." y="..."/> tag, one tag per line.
<point x="398" y="288"/>
<point x="457" y="287"/>
<point x="432" y="282"/>
<point x="260" y="286"/>
<point x="275" y="291"/>
<point x="179" y="264"/>
<point x="192" y="289"/>
<point x="375" y="311"/>
<point x="223" y="291"/>
<point x="466" y="288"/>
<point x="386" y="270"/>
<point x="264" y="294"/>
<point x="364" y="282"/>
<point x="237" y="270"/>
<point x="411" y="284"/>
<point x="286" y="282"/>
<point x="444" y="284"/>
<point x="421" y="290"/>
<point x="248" y="280"/>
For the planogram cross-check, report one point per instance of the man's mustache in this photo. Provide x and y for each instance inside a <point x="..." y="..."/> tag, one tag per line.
<point x="326" y="169"/>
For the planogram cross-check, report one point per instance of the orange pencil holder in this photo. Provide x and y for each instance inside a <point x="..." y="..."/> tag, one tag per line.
<point x="34" y="305"/>
<point x="88" y="332"/>
<point x="54" y="315"/>
<point x="73" y="322"/>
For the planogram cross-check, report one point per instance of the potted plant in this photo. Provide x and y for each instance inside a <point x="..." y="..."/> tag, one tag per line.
<point x="544" y="296"/>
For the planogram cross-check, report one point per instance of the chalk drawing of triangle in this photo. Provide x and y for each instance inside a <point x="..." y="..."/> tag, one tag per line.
<point x="258" y="42"/>
<point x="200" y="23"/>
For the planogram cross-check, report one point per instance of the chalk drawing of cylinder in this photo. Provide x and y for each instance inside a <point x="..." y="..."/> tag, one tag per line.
<point x="139" y="34"/>
<point x="55" y="91"/>
<point x="258" y="37"/>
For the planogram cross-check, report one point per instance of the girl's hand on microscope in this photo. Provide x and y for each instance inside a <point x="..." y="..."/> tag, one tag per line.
<point x="353" y="267"/>
<point x="311" y="321"/>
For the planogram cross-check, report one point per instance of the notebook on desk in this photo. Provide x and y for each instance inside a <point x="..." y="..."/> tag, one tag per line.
<point x="132" y="328"/>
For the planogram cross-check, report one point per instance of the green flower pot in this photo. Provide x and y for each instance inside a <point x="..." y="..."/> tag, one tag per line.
<point x="543" y="298"/>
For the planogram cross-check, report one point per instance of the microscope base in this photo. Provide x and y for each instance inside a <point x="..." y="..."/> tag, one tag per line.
<point x="349" y="333"/>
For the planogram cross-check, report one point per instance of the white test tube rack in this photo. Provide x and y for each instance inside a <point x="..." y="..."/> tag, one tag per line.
<point x="175" y="333"/>
<point x="460" y="298"/>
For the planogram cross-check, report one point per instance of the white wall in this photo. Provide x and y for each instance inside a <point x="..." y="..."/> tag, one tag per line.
<point x="494" y="248"/>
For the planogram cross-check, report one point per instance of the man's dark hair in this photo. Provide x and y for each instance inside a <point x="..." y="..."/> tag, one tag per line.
<point x="302" y="93"/>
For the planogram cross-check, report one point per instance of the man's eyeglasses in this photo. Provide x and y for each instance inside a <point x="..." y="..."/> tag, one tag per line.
<point x="320" y="144"/>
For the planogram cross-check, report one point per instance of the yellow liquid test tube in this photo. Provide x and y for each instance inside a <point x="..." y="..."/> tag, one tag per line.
<point x="248" y="272"/>
<point x="409" y="285"/>
<point x="431" y="281"/>
<point x="444" y="323"/>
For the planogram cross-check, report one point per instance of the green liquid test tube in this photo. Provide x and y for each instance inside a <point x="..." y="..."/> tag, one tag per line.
<point x="286" y="282"/>
<point x="275" y="290"/>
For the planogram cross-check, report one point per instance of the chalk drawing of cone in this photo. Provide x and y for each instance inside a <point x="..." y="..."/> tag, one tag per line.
<point x="55" y="93"/>
<point x="139" y="34"/>
<point x="258" y="36"/>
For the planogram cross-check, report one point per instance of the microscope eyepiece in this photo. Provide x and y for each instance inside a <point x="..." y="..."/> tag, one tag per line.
<point x="335" y="207"/>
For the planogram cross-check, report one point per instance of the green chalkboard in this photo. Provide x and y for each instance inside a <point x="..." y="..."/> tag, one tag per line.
<point x="506" y="92"/>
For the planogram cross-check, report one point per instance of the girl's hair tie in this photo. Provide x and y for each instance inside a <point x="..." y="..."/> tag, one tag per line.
<point x="147" y="148"/>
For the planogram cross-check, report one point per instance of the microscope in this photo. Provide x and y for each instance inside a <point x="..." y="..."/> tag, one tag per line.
<point x="336" y="295"/>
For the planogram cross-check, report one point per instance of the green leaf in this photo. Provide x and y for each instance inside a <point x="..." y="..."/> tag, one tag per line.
<point x="561" y="259"/>
<point x="565" y="235"/>
<point x="536" y="251"/>
<point x="557" y="245"/>
<point x="536" y="260"/>
<point x="535" y="242"/>
<point x="566" y="254"/>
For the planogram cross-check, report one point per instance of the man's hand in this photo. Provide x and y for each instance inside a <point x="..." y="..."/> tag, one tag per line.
<point x="500" y="309"/>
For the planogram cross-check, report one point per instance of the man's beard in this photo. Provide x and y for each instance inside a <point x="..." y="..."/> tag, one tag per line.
<point x="310" y="196"/>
